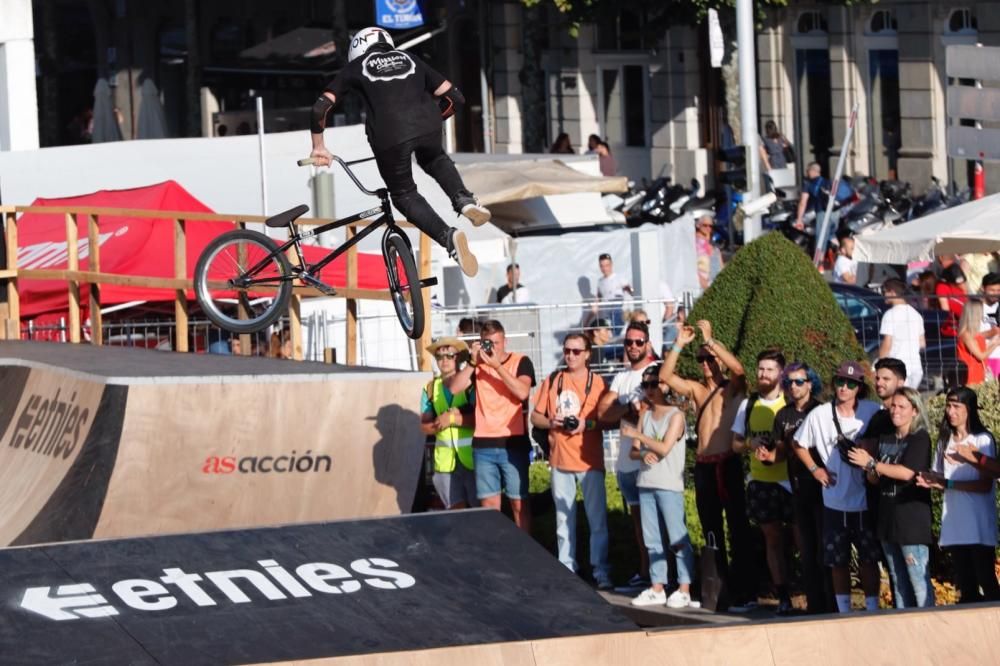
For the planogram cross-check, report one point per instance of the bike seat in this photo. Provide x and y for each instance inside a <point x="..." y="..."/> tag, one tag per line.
<point x="286" y="218"/>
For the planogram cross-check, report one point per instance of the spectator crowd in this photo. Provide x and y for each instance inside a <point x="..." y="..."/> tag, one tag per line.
<point x="774" y="465"/>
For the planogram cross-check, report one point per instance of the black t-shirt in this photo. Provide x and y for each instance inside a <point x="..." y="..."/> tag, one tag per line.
<point x="786" y="423"/>
<point x="879" y="425"/>
<point x="505" y="290"/>
<point x="398" y="92"/>
<point x="525" y="368"/>
<point x="904" y="510"/>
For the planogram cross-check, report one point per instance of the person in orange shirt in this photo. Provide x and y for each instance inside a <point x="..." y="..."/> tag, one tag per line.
<point x="566" y="405"/>
<point x="500" y="444"/>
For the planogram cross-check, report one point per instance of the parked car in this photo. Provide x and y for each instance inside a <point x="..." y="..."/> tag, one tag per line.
<point x="864" y="308"/>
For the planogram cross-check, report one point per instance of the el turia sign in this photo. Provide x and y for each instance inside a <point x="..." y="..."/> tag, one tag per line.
<point x="238" y="586"/>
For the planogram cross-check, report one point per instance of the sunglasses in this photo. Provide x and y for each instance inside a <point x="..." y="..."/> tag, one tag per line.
<point x="644" y="322"/>
<point x="572" y="351"/>
<point x="631" y="342"/>
<point x="704" y="358"/>
<point x="445" y="355"/>
<point x="840" y="382"/>
<point x="650" y="384"/>
<point x="797" y="382"/>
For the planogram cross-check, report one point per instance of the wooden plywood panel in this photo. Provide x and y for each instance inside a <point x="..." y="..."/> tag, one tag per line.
<point x="496" y="654"/>
<point x="714" y="645"/>
<point x="210" y="456"/>
<point x="43" y="439"/>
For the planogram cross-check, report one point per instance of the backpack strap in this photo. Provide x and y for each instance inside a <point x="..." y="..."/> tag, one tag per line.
<point x="751" y="403"/>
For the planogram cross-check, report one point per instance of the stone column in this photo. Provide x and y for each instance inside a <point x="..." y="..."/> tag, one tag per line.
<point x="18" y="97"/>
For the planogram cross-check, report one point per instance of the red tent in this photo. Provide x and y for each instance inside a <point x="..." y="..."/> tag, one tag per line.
<point x="137" y="246"/>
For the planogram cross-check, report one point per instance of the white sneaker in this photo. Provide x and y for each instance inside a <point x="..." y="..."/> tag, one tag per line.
<point x="679" y="600"/>
<point x="650" y="597"/>
<point x="476" y="213"/>
<point x="458" y="249"/>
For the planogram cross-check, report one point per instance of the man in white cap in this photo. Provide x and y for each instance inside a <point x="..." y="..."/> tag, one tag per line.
<point x="450" y="420"/>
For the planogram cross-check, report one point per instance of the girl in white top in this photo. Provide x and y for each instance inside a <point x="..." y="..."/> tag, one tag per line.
<point x="659" y="444"/>
<point x="969" y="518"/>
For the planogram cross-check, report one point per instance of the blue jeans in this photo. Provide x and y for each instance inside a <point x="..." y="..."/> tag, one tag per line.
<point x="669" y="504"/>
<point x="595" y="505"/>
<point x="501" y="470"/>
<point x="910" y="574"/>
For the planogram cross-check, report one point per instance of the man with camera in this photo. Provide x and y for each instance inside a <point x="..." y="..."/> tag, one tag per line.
<point x="832" y="429"/>
<point x="769" y="494"/>
<point x="500" y="444"/>
<point x="566" y="405"/>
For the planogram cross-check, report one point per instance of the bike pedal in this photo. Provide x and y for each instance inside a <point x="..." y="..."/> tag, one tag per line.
<point x="319" y="285"/>
<point x="428" y="282"/>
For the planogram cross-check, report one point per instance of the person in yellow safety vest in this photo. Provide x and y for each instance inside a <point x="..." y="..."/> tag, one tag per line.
<point x="450" y="419"/>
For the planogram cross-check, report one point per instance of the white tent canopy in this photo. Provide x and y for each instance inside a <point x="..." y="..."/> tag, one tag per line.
<point x="971" y="227"/>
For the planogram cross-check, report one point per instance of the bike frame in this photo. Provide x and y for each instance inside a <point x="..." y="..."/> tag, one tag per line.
<point x="384" y="211"/>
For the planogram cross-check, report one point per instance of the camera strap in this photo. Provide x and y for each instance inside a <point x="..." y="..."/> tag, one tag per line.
<point x="586" y="391"/>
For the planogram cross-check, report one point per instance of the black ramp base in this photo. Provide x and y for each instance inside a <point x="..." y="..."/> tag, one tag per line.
<point x="291" y="593"/>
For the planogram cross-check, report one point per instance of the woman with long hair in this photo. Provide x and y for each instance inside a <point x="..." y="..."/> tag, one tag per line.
<point x="904" y="509"/>
<point x="562" y="145"/>
<point x="773" y="146"/>
<point x="658" y="442"/>
<point x="969" y="515"/>
<point x="972" y="348"/>
<point x="951" y="292"/>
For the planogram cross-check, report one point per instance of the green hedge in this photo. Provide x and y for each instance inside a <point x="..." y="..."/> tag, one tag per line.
<point x="770" y="295"/>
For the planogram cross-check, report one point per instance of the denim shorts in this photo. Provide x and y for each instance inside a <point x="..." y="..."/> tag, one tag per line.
<point x="501" y="470"/>
<point x="627" y="484"/>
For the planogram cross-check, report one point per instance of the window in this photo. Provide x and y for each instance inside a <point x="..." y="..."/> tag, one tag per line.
<point x="883" y="22"/>
<point x="811" y="22"/>
<point x="962" y="22"/>
<point x="623" y="105"/>
<point x="623" y="30"/>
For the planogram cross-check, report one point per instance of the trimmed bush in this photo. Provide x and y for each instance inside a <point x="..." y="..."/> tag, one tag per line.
<point x="770" y="295"/>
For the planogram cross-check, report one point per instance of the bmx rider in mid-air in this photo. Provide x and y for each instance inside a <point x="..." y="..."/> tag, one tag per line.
<point x="406" y="102"/>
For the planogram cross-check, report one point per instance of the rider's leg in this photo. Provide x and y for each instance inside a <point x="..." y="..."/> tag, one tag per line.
<point x="432" y="159"/>
<point x="395" y="168"/>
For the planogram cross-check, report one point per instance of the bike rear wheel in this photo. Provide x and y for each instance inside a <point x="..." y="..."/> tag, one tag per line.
<point x="404" y="285"/>
<point x="222" y="279"/>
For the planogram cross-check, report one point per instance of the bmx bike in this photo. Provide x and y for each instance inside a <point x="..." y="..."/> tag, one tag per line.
<point x="243" y="279"/>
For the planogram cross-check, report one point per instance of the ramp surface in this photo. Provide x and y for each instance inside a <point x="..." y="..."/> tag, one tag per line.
<point x="111" y="442"/>
<point x="292" y="593"/>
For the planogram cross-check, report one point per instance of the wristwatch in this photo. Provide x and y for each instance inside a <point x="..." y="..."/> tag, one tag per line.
<point x="870" y="466"/>
<point x="813" y="468"/>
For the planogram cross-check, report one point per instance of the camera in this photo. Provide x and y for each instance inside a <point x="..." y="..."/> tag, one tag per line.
<point x="488" y="347"/>
<point x="571" y="423"/>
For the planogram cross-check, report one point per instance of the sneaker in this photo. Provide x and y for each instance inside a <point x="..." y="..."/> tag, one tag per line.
<point x="784" y="607"/>
<point x="604" y="584"/>
<point x="473" y="211"/>
<point x="679" y="600"/>
<point x="650" y="597"/>
<point x="745" y="607"/>
<point x="458" y="249"/>
<point x="635" y="584"/>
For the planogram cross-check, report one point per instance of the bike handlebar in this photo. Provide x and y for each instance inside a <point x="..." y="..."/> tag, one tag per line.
<point x="347" y="167"/>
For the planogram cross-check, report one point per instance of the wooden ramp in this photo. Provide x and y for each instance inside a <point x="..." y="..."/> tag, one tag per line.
<point x="304" y="592"/>
<point x="952" y="635"/>
<point x="110" y="442"/>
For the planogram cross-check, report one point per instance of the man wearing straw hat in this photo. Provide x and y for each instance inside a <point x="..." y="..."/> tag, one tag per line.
<point x="450" y="420"/>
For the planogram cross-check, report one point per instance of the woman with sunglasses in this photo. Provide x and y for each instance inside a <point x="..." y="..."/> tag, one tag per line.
<point x="968" y="516"/>
<point x="904" y="509"/>
<point x="659" y="443"/>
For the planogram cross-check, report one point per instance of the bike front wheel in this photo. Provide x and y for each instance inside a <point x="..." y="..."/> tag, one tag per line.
<point x="404" y="285"/>
<point x="242" y="282"/>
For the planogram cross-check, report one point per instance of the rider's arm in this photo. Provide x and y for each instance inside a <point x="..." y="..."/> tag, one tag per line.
<point x="450" y="99"/>
<point x="320" y="110"/>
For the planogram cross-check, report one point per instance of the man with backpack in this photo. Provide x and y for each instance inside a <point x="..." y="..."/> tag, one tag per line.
<point x="566" y="406"/>
<point x="450" y="420"/>
<point x="769" y="493"/>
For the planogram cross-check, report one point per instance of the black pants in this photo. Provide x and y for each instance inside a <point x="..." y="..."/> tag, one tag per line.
<point x="719" y="488"/>
<point x="395" y="167"/>
<point x="808" y="504"/>
<point x="973" y="567"/>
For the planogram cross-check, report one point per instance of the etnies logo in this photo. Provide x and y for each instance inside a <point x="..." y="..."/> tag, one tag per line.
<point x="50" y="426"/>
<point x="286" y="464"/>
